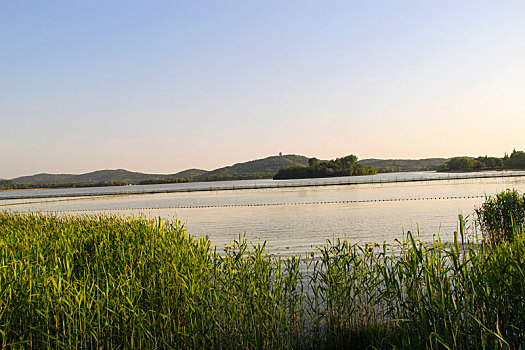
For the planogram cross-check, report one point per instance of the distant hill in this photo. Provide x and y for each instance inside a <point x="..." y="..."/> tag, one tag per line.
<point x="188" y="173"/>
<point x="118" y="175"/>
<point x="259" y="168"/>
<point x="398" y="165"/>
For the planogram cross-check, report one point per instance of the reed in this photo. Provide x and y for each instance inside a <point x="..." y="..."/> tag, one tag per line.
<point x="113" y="282"/>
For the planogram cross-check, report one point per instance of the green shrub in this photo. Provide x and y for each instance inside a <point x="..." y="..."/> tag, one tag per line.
<point x="500" y="216"/>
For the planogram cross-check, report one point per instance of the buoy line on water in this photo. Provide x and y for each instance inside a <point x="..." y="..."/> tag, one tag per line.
<point x="271" y="204"/>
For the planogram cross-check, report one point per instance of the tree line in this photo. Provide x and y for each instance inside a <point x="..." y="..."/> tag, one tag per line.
<point x="233" y="177"/>
<point x="169" y="180"/>
<point x="10" y="185"/>
<point x="516" y="160"/>
<point x="345" y="166"/>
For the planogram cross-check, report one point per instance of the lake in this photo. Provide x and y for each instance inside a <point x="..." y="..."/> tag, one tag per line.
<point x="290" y="219"/>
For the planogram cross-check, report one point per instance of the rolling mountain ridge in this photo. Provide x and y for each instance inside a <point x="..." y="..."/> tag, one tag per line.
<point x="259" y="168"/>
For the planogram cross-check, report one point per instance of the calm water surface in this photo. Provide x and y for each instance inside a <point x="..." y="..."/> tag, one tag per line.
<point x="293" y="220"/>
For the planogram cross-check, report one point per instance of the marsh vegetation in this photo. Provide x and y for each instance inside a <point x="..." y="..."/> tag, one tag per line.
<point x="92" y="281"/>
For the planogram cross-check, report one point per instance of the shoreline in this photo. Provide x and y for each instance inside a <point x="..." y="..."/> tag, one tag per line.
<point x="276" y="184"/>
<point x="25" y="189"/>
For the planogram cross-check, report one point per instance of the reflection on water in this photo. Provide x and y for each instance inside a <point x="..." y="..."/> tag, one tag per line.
<point x="293" y="220"/>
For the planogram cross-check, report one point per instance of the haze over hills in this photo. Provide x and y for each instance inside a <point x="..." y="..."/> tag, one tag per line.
<point x="259" y="168"/>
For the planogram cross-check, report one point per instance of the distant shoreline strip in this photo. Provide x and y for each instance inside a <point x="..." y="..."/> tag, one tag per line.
<point x="66" y="199"/>
<point x="268" y="186"/>
<point x="262" y="204"/>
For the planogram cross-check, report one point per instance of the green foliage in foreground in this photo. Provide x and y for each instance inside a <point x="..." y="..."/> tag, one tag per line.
<point x="110" y="282"/>
<point x="345" y="166"/>
<point x="500" y="216"/>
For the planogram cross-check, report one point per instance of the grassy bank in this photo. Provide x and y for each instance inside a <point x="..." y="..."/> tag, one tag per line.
<point x="111" y="282"/>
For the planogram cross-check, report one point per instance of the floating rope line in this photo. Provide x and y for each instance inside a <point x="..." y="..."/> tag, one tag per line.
<point x="270" y="204"/>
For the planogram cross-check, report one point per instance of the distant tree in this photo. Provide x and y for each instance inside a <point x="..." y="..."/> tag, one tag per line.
<point x="348" y="161"/>
<point x="459" y="163"/>
<point x="516" y="160"/>
<point x="490" y="162"/>
<point x="345" y="166"/>
<point x="6" y="184"/>
<point x="313" y="162"/>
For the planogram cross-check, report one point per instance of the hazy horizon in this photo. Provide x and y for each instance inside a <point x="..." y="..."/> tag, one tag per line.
<point x="164" y="86"/>
<point x="243" y="161"/>
<point x="221" y="166"/>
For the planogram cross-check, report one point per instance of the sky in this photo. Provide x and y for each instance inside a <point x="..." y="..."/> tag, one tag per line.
<point x="161" y="86"/>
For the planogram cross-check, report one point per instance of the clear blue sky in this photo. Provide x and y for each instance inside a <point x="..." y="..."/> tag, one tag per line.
<point x="161" y="86"/>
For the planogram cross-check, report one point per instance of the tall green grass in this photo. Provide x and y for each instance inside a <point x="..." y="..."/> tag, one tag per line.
<point x="112" y="282"/>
